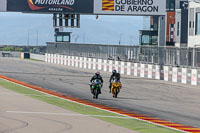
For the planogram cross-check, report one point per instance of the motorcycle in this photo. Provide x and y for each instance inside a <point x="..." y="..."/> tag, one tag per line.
<point x="95" y="88"/>
<point x="115" y="88"/>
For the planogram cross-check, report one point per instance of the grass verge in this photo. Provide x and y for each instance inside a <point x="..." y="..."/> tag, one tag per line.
<point x="132" y="124"/>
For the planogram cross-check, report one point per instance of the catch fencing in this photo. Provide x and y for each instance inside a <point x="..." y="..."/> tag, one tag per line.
<point x="168" y="56"/>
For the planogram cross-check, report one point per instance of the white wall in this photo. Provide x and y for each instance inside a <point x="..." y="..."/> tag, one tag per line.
<point x="173" y="74"/>
<point x="193" y="40"/>
<point x="37" y="57"/>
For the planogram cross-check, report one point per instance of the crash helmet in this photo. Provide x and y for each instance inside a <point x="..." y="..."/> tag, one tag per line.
<point x="114" y="71"/>
<point x="97" y="73"/>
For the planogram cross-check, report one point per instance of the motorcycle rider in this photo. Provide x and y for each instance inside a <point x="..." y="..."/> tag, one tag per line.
<point x="96" y="76"/>
<point x="114" y="76"/>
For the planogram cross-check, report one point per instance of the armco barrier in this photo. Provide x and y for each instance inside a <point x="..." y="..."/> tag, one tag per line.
<point x="173" y="74"/>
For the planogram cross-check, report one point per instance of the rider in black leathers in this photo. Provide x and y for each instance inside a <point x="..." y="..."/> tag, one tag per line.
<point x="114" y="75"/>
<point x="96" y="76"/>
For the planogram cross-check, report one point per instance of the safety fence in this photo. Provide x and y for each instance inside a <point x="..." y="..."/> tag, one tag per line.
<point x="171" y="56"/>
<point x="167" y="73"/>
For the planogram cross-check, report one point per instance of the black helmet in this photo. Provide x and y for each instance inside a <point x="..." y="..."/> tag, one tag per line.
<point x="97" y="73"/>
<point x="114" y="71"/>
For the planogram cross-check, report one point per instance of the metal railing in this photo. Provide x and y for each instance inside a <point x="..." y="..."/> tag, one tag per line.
<point x="172" y="56"/>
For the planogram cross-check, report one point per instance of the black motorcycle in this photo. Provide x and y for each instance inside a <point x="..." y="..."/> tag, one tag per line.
<point x="95" y="88"/>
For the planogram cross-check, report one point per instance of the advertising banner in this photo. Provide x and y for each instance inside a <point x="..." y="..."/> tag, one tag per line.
<point x="73" y="61"/>
<point x="104" y="7"/>
<point x="94" y="64"/>
<point x="51" y="6"/>
<point x="46" y="57"/>
<point x="122" y="67"/>
<point x="128" y="68"/>
<point x="62" y="59"/>
<point x="117" y="66"/>
<point x="105" y="65"/>
<point x="184" y="76"/>
<point x="59" y="59"/>
<point x="110" y="65"/>
<point x="194" y="77"/>
<point x="130" y="7"/>
<point x="166" y="73"/>
<point x="69" y="61"/>
<point x="81" y="62"/>
<point x="76" y="62"/>
<point x="175" y="74"/>
<point x="157" y="72"/>
<point x="142" y="70"/>
<point x="55" y="59"/>
<point x="150" y="71"/>
<point x="65" y="60"/>
<point x="99" y="64"/>
<point x="85" y="62"/>
<point x="52" y="58"/>
<point x="89" y="63"/>
<point x="135" y="69"/>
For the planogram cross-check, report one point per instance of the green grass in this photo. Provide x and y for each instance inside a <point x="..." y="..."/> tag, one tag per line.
<point x="132" y="124"/>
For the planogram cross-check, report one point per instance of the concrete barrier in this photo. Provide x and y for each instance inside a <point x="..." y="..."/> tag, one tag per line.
<point x="166" y="73"/>
<point x="39" y="57"/>
<point x="194" y="77"/>
<point x="10" y="54"/>
<point x="150" y="71"/>
<point x="173" y="74"/>
<point x="105" y="65"/>
<point x="128" y="68"/>
<point x="157" y="73"/>
<point x="184" y="76"/>
<point x="81" y="62"/>
<point x="135" y="69"/>
<point x="142" y="72"/>
<point x="110" y="65"/>
<point x="100" y="64"/>
<point x="122" y="68"/>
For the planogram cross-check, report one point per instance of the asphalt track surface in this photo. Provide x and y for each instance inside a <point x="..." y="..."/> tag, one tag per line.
<point x="169" y="101"/>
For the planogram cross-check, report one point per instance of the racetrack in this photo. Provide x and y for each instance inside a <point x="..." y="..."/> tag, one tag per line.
<point x="169" y="101"/>
<point x="21" y="114"/>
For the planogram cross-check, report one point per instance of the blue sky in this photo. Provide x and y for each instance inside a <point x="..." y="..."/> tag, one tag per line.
<point x="16" y="27"/>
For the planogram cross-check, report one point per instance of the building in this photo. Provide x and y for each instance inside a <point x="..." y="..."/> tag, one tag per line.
<point x="194" y="24"/>
<point x="181" y="31"/>
<point x="174" y="9"/>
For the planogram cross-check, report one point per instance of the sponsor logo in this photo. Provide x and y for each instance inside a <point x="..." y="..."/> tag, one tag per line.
<point x="144" y="6"/>
<point x="52" y="5"/>
<point x="108" y="5"/>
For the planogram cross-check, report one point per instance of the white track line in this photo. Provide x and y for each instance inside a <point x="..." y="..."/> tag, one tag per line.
<point x="65" y="114"/>
<point x="25" y="94"/>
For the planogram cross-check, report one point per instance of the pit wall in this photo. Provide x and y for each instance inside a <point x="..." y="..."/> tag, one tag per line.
<point x="172" y="74"/>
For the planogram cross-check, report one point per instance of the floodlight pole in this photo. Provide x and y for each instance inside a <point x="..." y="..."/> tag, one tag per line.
<point x="161" y="43"/>
<point x="161" y="31"/>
